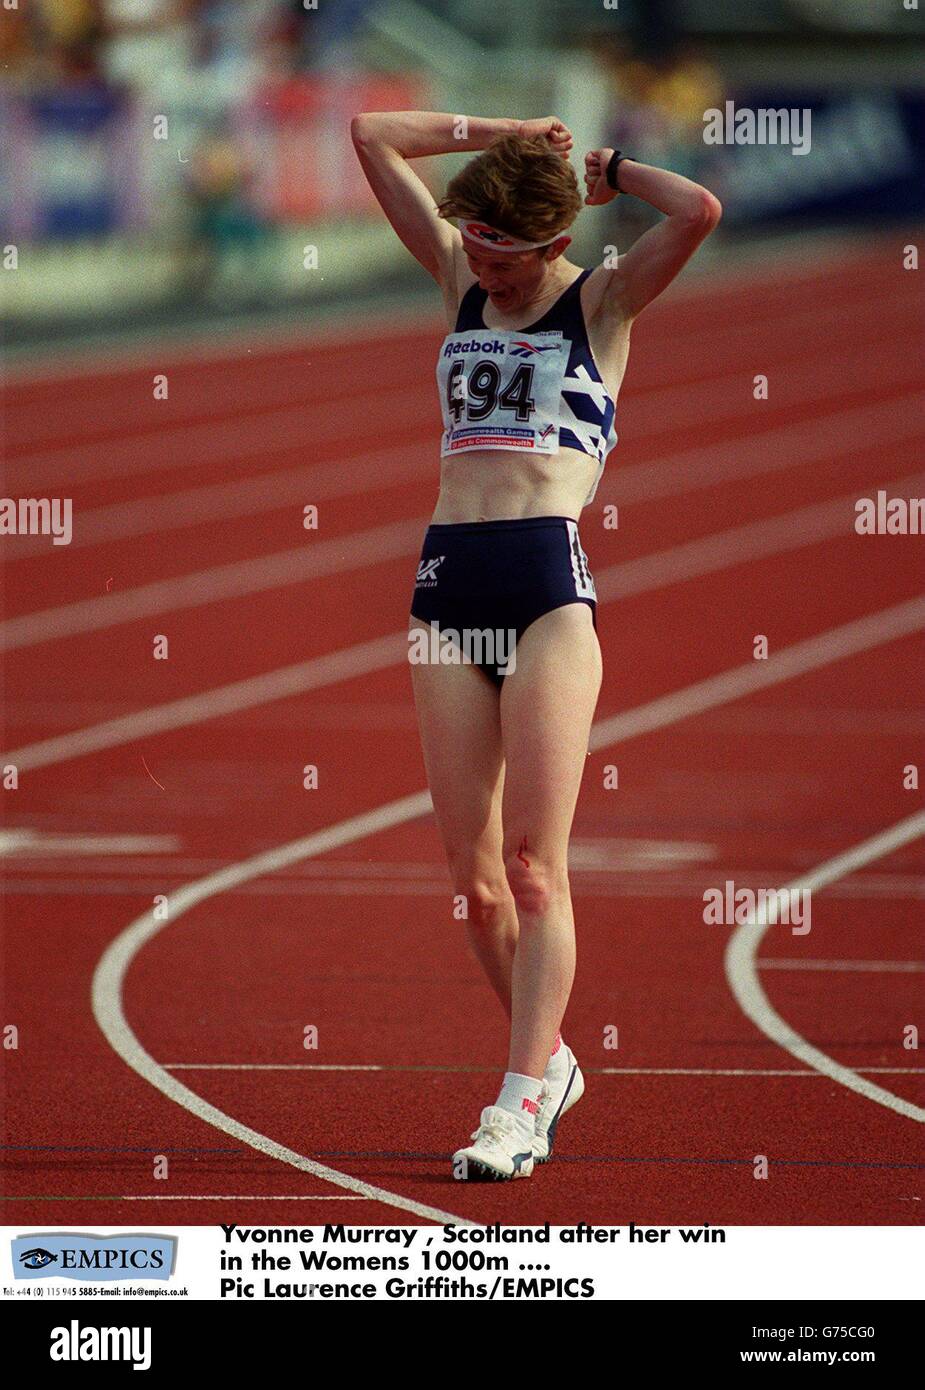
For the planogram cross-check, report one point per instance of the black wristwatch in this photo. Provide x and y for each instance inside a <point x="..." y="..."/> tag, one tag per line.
<point x="612" y="167"/>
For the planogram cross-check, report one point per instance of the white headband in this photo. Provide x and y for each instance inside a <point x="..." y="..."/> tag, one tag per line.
<point x="494" y="240"/>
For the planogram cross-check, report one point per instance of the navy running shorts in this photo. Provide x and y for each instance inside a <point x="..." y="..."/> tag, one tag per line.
<point x="480" y="585"/>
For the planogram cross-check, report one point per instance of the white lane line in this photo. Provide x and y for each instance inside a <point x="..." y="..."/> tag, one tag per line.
<point x="175" y="441"/>
<point x="116" y="959"/>
<point x="46" y="874"/>
<point x="778" y="449"/>
<point x="898" y="967"/>
<point x="211" y="1197"/>
<point x="317" y="672"/>
<point x="337" y="326"/>
<point x="354" y="474"/>
<point x="590" y="1071"/>
<point x="850" y="639"/>
<point x="110" y="973"/>
<point x="754" y="540"/>
<point x="751" y="1071"/>
<point x="314" y="559"/>
<point x="775" y="449"/>
<point x="712" y="402"/>
<point x="299" y="1066"/>
<point x="37" y="844"/>
<point x="227" y="439"/>
<point x="340" y="325"/>
<point x="632" y="577"/>
<point x="742" y="966"/>
<point x="160" y="880"/>
<point x="210" y="342"/>
<point x="190" y="1197"/>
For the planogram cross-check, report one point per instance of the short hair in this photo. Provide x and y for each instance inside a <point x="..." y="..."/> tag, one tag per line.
<point x="521" y="186"/>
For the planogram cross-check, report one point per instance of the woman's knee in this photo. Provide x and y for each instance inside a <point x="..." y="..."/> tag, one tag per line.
<point x="536" y="881"/>
<point x="485" y="892"/>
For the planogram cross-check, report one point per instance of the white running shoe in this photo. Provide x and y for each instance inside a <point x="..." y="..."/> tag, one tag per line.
<point x="553" y="1106"/>
<point x="498" y="1151"/>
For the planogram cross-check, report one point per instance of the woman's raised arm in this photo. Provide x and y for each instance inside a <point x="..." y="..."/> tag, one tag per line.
<point x="653" y="261"/>
<point x="385" y="141"/>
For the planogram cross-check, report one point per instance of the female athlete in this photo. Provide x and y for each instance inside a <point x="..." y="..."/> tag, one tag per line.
<point x="506" y="665"/>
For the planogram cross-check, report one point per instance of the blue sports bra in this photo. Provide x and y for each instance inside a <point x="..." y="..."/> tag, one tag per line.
<point x="536" y="388"/>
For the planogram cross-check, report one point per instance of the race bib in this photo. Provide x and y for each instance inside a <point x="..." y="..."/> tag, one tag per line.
<point x="501" y="389"/>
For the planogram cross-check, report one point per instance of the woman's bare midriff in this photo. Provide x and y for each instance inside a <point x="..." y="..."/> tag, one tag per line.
<point x="506" y="485"/>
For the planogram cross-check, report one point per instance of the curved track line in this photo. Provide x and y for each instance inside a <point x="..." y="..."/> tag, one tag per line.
<point x="110" y="975"/>
<point x="742" y="967"/>
<point x="858" y="636"/>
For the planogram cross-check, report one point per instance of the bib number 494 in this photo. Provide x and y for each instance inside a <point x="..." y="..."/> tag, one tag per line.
<point x="478" y="396"/>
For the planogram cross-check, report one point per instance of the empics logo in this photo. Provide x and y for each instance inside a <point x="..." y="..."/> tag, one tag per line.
<point x="76" y="1343"/>
<point x="93" y="1259"/>
<point x="38" y="1258"/>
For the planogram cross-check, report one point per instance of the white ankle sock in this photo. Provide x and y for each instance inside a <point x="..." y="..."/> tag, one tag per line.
<point x="557" y="1066"/>
<point x="519" y="1095"/>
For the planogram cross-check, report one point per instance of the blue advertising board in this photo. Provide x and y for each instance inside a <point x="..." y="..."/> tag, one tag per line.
<point x="857" y="155"/>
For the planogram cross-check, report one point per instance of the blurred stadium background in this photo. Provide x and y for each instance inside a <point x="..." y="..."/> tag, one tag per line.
<point x="169" y="161"/>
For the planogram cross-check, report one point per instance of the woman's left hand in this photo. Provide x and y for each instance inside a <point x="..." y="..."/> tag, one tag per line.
<point x="599" y="190"/>
<point x="557" y="134"/>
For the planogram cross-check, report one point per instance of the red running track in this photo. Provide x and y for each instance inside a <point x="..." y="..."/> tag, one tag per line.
<point x="736" y="518"/>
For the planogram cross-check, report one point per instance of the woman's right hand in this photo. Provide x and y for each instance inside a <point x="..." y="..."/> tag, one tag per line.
<point x="557" y="134"/>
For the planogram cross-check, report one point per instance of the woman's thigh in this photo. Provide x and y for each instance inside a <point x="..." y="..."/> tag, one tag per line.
<point x="547" y="705"/>
<point x="460" y="727"/>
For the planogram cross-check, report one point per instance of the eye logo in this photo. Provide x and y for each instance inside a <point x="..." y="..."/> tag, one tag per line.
<point x="37" y="1258"/>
